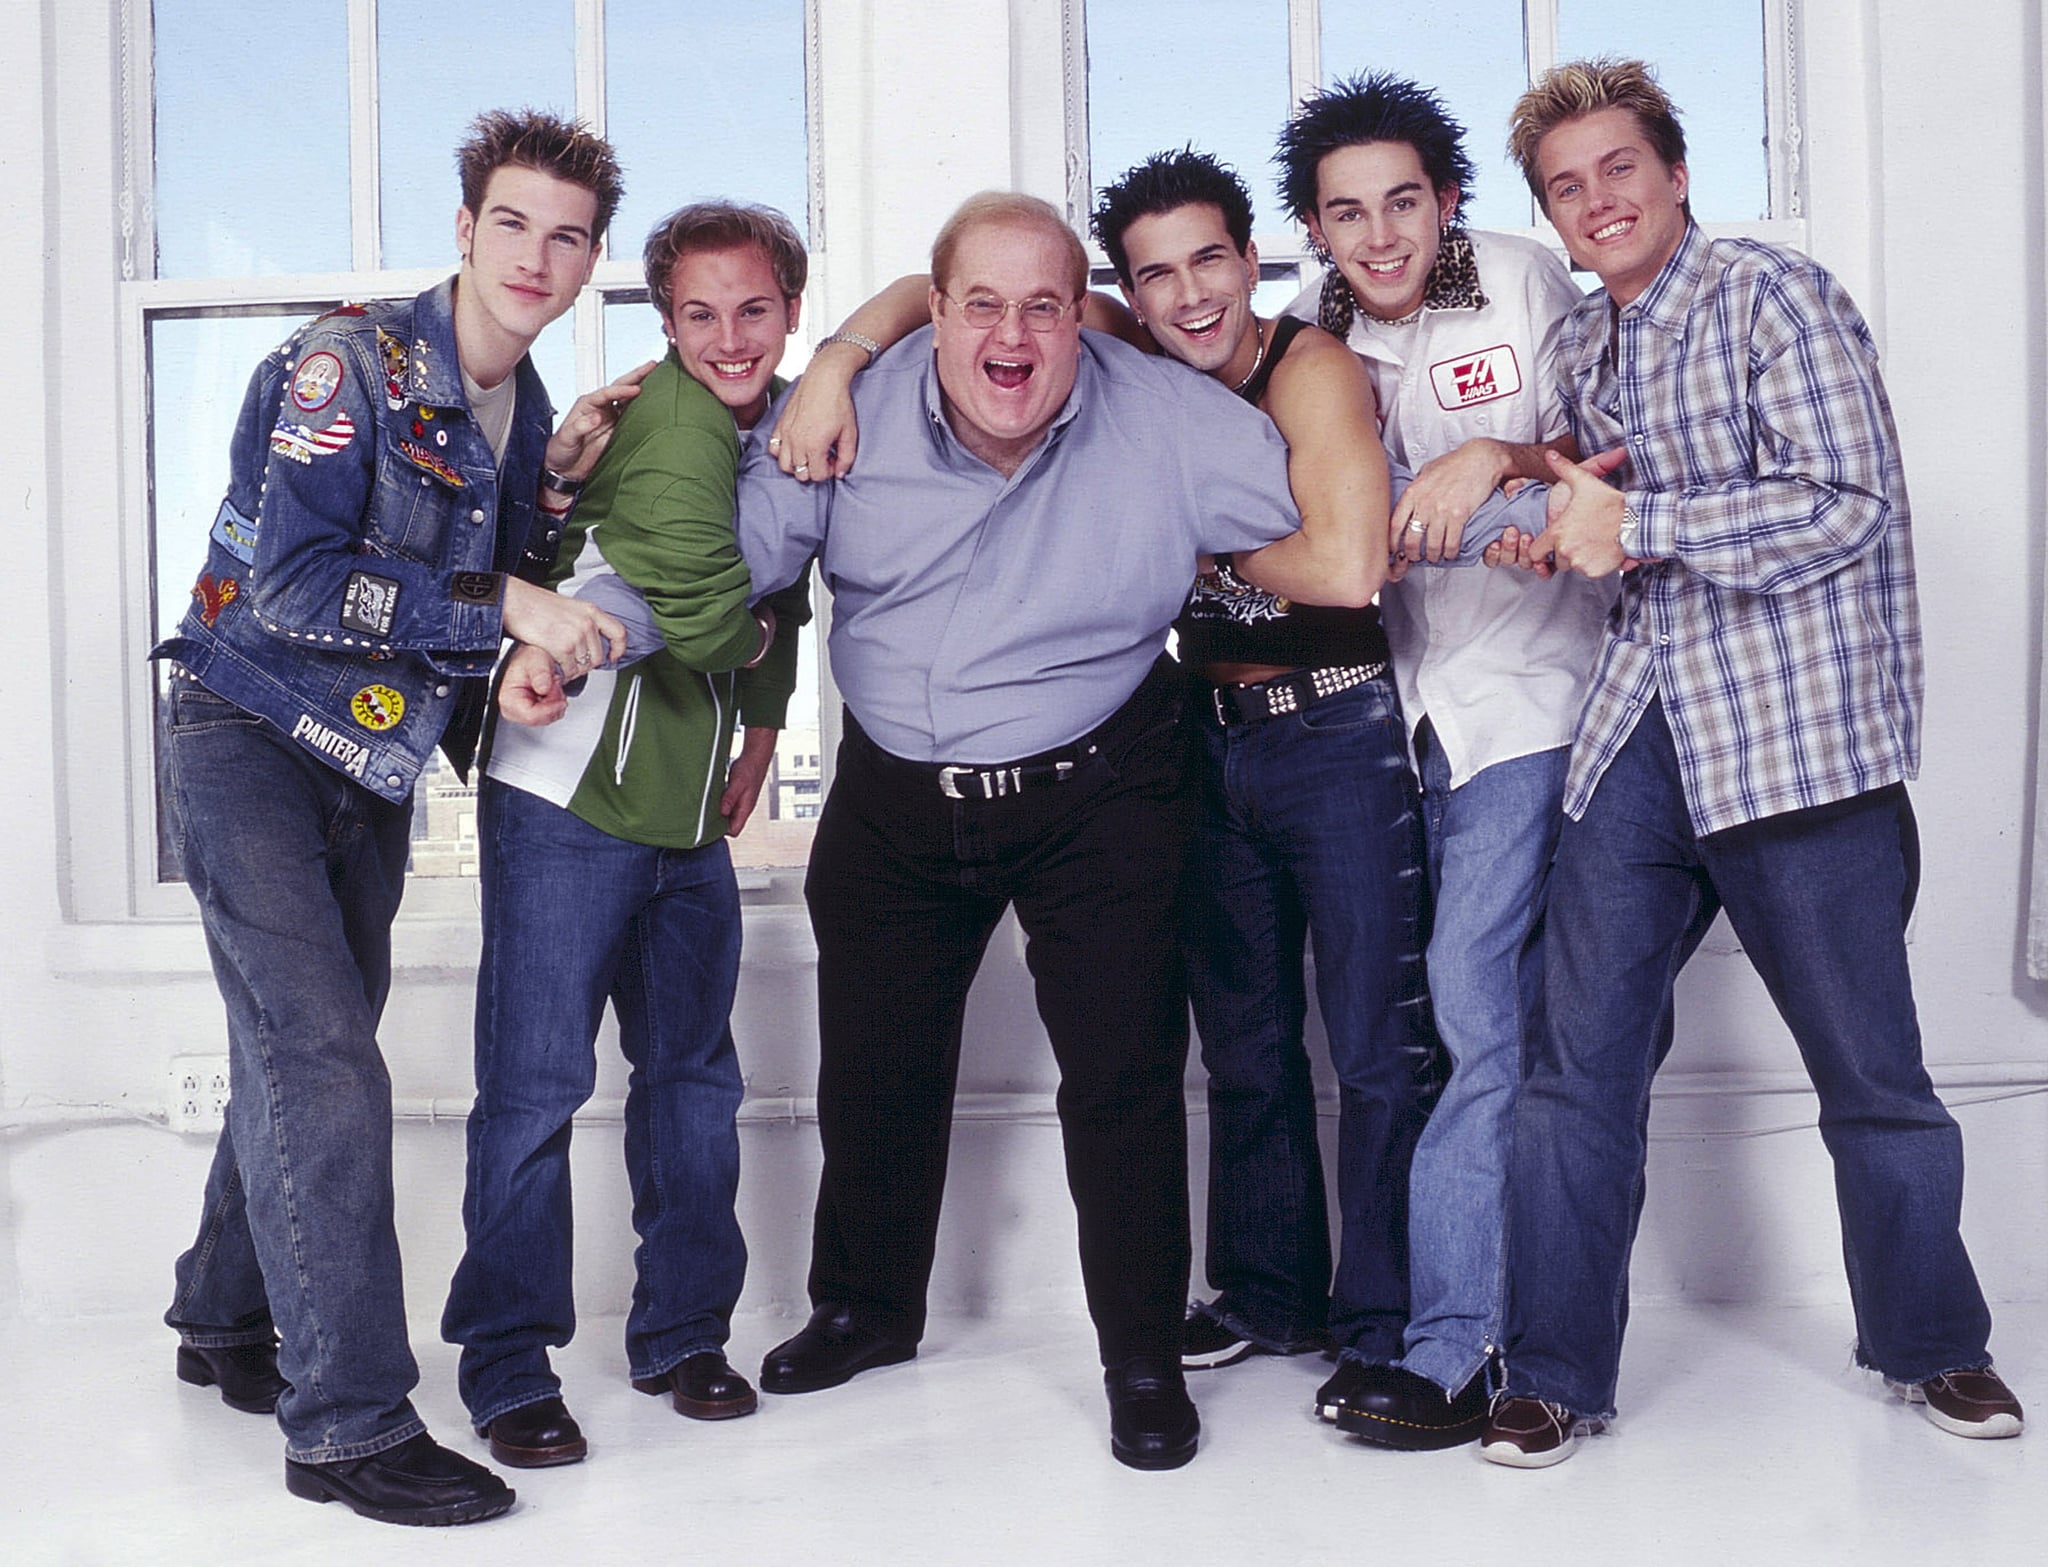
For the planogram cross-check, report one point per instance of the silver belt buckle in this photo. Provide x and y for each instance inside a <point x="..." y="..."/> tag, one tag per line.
<point x="1216" y="701"/>
<point x="947" y="786"/>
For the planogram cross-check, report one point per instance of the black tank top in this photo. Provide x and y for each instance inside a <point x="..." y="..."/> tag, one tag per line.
<point x="1228" y="621"/>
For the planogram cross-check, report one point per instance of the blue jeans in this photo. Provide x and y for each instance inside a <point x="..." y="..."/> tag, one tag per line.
<point x="1308" y="829"/>
<point x="1819" y="900"/>
<point x="572" y="915"/>
<point x="298" y="872"/>
<point x="1489" y="844"/>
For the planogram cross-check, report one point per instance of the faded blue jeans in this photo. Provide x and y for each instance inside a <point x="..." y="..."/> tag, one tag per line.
<point x="571" y="916"/>
<point x="1819" y="900"/>
<point x="298" y="872"/>
<point x="1309" y="831"/>
<point x="1489" y="844"/>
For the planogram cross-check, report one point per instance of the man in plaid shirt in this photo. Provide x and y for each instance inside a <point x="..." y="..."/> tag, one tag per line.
<point x="1753" y="717"/>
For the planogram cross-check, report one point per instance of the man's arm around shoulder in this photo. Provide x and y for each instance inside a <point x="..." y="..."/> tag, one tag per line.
<point x="1322" y="404"/>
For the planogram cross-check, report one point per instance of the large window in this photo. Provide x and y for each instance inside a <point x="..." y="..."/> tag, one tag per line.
<point x="1225" y="74"/>
<point x="333" y="178"/>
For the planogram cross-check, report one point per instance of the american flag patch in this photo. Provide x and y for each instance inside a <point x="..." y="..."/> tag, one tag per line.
<point x="302" y="444"/>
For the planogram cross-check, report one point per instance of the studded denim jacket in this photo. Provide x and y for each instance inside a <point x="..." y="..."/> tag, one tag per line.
<point x="354" y="577"/>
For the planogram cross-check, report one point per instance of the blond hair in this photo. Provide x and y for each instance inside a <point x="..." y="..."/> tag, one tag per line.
<point x="1581" y="87"/>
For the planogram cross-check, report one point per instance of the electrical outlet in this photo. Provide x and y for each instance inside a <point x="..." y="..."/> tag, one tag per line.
<point x="196" y="1093"/>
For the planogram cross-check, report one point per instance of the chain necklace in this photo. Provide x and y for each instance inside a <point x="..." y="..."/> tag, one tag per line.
<point x="1257" y="360"/>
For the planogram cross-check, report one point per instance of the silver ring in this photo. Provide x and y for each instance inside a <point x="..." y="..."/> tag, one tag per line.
<point x="774" y="443"/>
<point x="1417" y="525"/>
<point x="803" y="467"/>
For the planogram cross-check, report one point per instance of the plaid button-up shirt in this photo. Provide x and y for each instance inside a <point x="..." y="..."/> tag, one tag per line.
<point x="1776" y="618"/>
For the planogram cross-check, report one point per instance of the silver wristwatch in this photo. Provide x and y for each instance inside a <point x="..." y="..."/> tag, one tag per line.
<point x="1631" y="524"/>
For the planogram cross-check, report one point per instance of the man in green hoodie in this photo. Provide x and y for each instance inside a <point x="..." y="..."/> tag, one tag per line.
<point x="605" y="873"/>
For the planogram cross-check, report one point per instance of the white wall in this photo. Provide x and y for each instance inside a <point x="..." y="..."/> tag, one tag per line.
<point x="1924" y="144"/>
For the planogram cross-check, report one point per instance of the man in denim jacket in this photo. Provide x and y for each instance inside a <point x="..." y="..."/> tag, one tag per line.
<point x="395" y="495"/>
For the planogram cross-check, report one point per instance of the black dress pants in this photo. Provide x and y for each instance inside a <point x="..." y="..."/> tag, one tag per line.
<point x="905" y="887"/>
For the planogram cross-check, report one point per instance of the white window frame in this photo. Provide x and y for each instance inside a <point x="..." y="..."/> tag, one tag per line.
<point x="107" y="885"/>
<point x="1286" y="249"/>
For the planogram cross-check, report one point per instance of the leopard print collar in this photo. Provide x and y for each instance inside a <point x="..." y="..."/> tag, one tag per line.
<point x="1453" y="285"/>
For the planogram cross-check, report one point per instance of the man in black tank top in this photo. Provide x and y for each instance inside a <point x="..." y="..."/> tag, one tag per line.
<point x="1309" y="823"/>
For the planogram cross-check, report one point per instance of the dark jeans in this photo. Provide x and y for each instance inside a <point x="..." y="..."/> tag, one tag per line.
<point x="1308" y="829"/>
<point x="571" y="916"/>
<point x="1819" y="899"/>
<point x="298" y="872"/>
<point x="905" y="888"/>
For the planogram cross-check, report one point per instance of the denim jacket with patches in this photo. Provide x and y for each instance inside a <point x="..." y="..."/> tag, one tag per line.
<point x="352" y="594"/>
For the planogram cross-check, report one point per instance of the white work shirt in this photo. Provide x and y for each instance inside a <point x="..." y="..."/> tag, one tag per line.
<point x="1498" y="660"/>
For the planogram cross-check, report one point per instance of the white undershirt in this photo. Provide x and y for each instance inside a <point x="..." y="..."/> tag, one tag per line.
<point x="493" y="411"/>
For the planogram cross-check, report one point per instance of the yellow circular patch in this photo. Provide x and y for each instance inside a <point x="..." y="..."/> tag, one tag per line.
<point x="377" y="707"/>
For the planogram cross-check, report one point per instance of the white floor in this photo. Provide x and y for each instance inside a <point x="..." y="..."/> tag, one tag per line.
<point x="1747" y="1437"/>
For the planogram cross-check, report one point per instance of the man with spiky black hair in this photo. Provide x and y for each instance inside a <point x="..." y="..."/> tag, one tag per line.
<point x="1458" y="331"/>
<point x="1309" y="824"/>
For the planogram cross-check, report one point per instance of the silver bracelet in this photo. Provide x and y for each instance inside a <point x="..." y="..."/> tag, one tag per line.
<point x="858" y="339"/>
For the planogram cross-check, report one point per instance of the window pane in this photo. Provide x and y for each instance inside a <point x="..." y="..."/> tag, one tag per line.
<point x="251" y="165"/>
<point x="686" y="131"/>
<point x="1710" y="57"/>
<point x="438" y="67"/>
<point x="554" y="356"/>
<point x="1277" y="287"/>
<point x="1470" y="53"/>
<point x="1158" y="79"/>
<point x="632" y="335"/>
<point x="199" y="370"/>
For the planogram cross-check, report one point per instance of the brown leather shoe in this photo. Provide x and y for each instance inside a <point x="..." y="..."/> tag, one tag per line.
<point x="536" y="1436"/>
<point x="705" y="1387"/>
<point x="1966" y="1403"/>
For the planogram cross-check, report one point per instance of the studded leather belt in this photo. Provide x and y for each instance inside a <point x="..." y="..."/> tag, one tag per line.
<point x="1289" y="693"/>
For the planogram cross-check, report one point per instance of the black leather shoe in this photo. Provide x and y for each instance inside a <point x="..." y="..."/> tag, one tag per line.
<point x="538" y="1435"/>
<point x="705" y="1387"/>
<point x="1152" y="1421"/>
<point x="1350" y="1377"/>
<point x="246" y="1373"/>
<point x="833" y="1348"/>
<point x="417" y="1482"/>
<point x="1391" y="1407"/>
